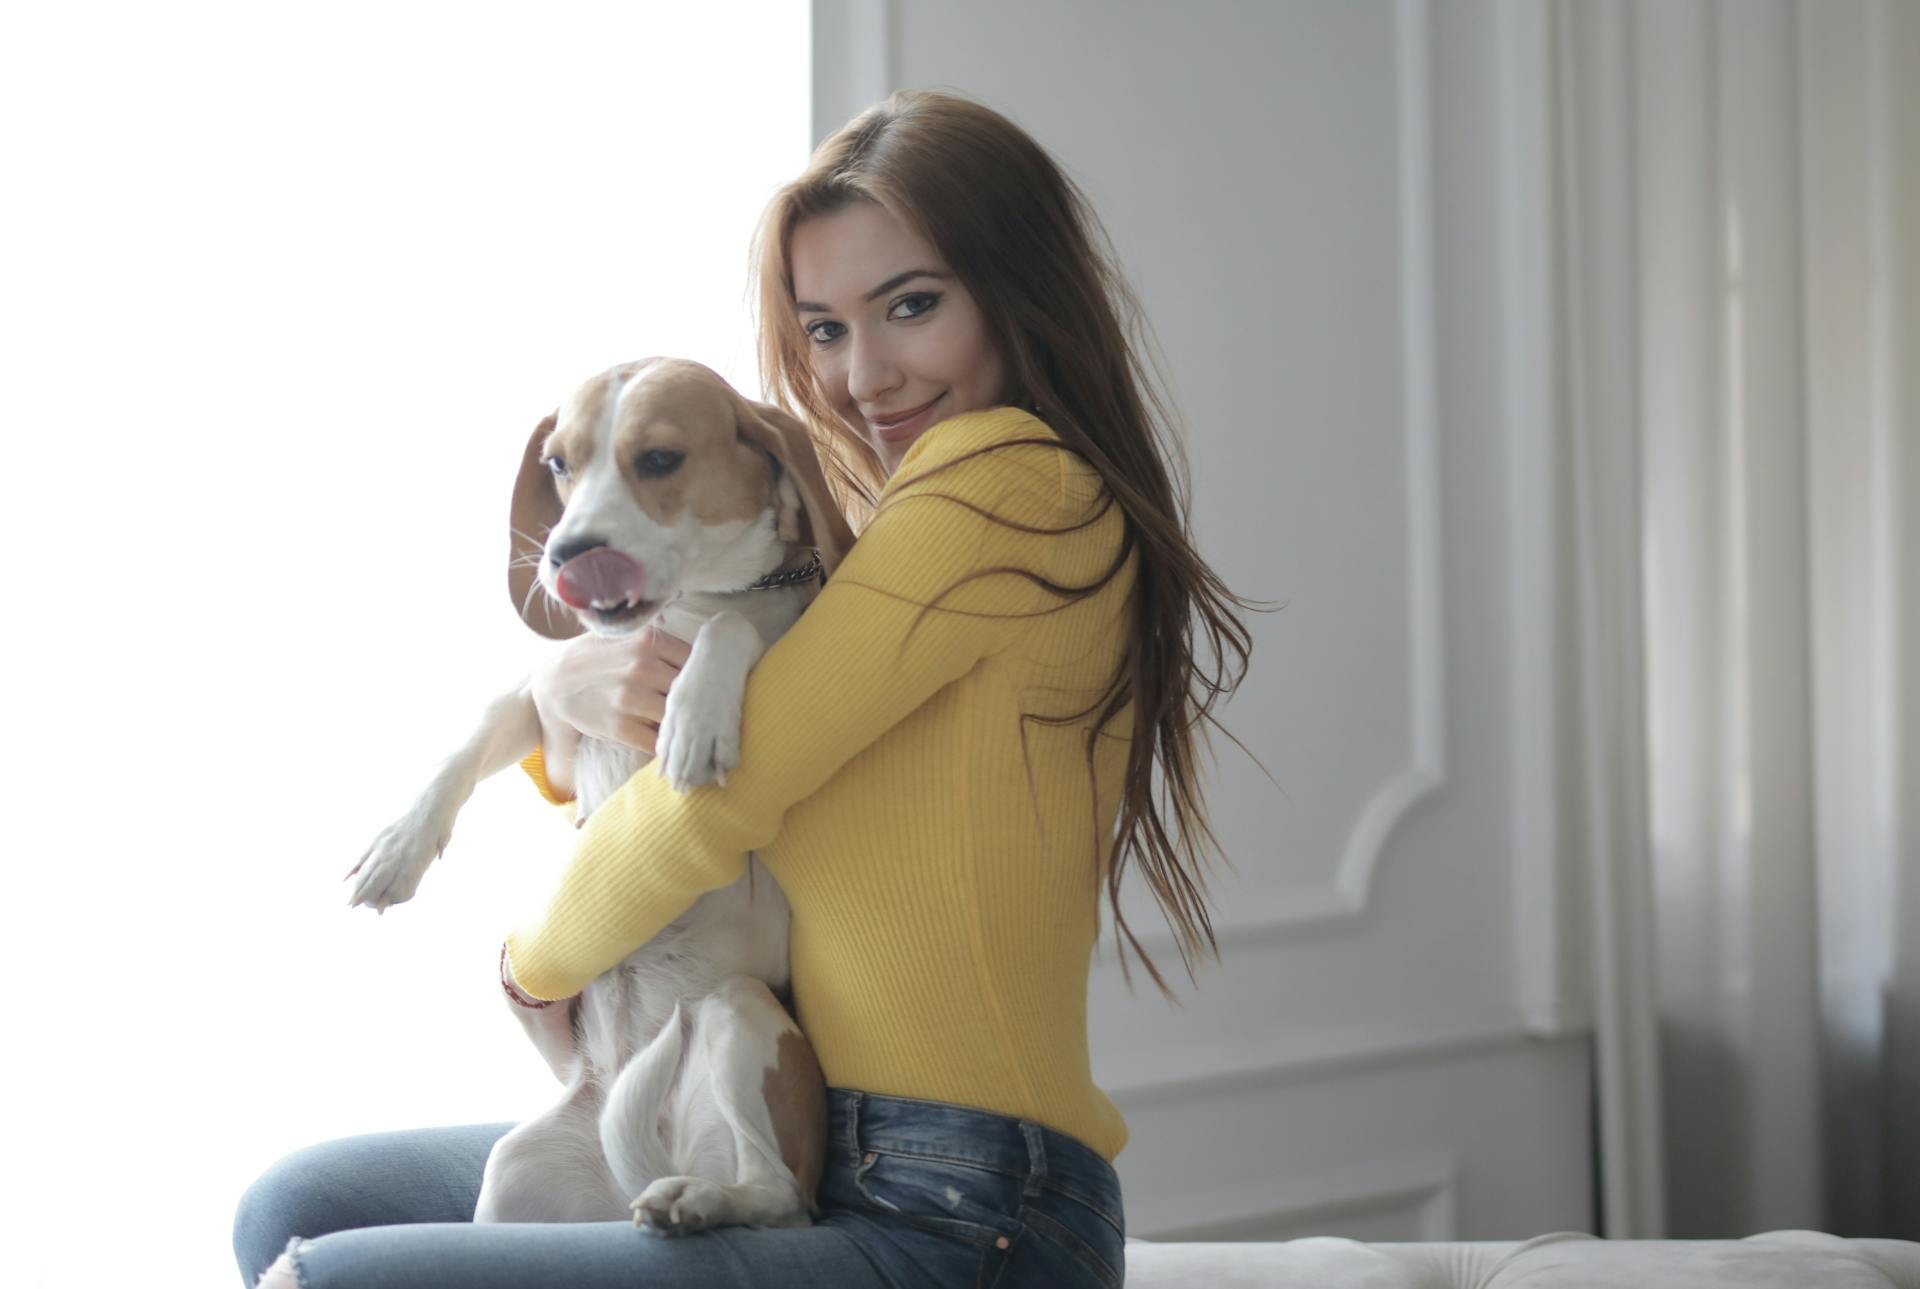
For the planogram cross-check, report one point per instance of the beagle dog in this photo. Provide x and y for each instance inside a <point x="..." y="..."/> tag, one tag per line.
<point x="657" y="494"/>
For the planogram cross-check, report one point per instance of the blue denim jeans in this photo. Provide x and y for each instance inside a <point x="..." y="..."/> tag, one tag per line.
<point x="914" y="1193"/>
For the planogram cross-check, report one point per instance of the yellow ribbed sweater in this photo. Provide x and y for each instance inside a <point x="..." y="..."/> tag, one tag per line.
<point x="944" y="890"/>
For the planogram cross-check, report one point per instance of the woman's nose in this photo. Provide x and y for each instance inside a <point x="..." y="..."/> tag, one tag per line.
<point x="871" y="371"/>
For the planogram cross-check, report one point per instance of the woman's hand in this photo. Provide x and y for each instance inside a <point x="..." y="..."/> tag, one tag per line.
<point x="612" y="689"/>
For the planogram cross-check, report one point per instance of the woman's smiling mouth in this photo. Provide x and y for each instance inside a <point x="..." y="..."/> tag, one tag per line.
<point x="906" y="424"/>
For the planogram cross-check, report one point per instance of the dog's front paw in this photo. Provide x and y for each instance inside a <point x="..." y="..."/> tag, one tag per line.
<point x="699" y="739"/>
<point x="391" y="869"/>
<point x="679" y="1205"/>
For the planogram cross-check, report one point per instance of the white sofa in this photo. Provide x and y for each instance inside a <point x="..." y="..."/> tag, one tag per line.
<point x="1776" y="1260"/>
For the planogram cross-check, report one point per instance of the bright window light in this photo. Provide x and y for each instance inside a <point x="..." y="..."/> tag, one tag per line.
<point x="285" y="289"/>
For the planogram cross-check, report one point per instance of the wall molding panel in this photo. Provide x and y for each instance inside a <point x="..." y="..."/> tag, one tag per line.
<point x="1291" y="1058"/>
<point x="1344" y="902"/>
<point x="1413" y="1196"/>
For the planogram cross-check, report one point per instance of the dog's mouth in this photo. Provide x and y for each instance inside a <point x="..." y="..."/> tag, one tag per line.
<point x="620" y="612"/>
<point x="605" y="587"/>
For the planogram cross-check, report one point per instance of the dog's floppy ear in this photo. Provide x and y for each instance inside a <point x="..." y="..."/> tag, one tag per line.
<point x="536" y="509"/>
<point x="816" y="522"/>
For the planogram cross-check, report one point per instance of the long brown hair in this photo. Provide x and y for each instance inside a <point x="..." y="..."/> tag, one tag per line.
<point x="1023" y="239"/>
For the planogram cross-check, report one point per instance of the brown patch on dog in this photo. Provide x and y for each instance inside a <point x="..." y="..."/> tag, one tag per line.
<point x="796" y="1095"/>
<point x="682" y="407"/>
<point x="536" y="509"/>
<point x="816" y="521"/>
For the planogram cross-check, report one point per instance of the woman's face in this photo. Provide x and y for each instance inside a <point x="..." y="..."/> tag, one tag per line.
<point x="897" y="343"/>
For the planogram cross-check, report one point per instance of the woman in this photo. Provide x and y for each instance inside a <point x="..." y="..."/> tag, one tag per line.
<point x="940" y="762"/>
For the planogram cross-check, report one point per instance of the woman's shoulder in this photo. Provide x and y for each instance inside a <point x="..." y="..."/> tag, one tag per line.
<point x="997" y="451"/>
<point x="957" y="436"/>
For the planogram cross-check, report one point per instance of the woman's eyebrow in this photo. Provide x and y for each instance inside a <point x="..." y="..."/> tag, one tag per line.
<point x="807" y="306"/>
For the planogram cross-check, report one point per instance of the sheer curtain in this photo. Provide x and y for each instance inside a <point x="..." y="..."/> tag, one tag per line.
<point x="1744" y="287"/>
<point x="1769" y="256"/>
<point x="285" y="290"/>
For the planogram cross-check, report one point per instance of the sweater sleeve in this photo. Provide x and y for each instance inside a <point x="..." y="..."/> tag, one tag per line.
<point x="535" y="764"/>
<point x="863" y="656"/>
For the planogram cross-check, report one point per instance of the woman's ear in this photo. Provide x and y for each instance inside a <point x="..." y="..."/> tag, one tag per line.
<point x="818" y="523"/>
<point x="536" y="509"/>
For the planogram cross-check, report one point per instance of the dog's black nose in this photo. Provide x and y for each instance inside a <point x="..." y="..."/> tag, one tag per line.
<point x="579" y="546"/>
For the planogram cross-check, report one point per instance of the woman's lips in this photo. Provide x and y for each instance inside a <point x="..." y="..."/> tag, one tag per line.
<point x="896" y="430"/>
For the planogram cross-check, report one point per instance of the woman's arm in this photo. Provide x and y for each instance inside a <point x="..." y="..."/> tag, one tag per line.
<point x="548" y="1024"/>
<point x="861" y="659"/>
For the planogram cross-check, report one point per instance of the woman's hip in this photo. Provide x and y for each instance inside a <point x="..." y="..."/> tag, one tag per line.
<point x="1039" y="1206"/>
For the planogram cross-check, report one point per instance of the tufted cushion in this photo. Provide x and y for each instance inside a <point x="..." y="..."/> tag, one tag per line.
<point x="1776" y="1260"/>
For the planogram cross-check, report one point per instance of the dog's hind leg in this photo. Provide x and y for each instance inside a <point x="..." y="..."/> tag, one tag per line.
<point x="549" y="1169"/>
<point x="772" y="1102"/>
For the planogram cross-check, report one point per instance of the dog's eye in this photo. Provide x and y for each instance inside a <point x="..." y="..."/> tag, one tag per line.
<point x="558" y="465"/>
<point x="658" y="462"/>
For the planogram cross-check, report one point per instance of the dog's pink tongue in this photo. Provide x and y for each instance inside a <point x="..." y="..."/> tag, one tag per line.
<point x="602" y="574"/>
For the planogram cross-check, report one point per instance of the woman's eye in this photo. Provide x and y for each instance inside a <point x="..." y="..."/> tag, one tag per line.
<point x="916" y="304"/>
<point x="824" y="333"/>
<point x="659" y="461"/>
